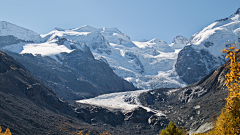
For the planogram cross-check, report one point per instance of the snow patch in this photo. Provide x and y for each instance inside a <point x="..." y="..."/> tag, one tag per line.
<point x="45" y="49"/>
<point x="196" y="107"/>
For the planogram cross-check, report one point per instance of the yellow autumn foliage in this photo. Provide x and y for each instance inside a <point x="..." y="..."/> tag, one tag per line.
<point x="228" y="122"/>
<point x="104" y="133"/>
<point x="81" y="133"/>
<point x="7" y="132"/>
<point x="88" y="133"/>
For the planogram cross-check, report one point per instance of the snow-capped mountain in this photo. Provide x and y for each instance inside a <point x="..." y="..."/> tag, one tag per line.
<point x="113" y="35"/>
<point x="64" y="63"/>
<point x="146" y="64"/>
<point x="179" y="42"/>
<point x="203" y="51"/>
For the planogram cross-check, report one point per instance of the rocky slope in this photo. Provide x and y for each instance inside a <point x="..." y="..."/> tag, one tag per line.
<point x="27" y="106"/>
<point x="78" y="75"/>
<point x="203" y="54"/>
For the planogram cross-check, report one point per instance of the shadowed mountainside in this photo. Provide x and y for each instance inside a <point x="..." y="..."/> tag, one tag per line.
<point x="29" y="107"/>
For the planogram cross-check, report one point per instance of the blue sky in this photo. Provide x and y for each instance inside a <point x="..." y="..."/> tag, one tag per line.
<point x="139" y="19"/>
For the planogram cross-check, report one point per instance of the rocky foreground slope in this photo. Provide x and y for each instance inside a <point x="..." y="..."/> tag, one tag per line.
<point x="27" y="106"/>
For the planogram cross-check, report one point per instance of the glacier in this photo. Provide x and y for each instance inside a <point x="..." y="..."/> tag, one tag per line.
<point x="122" y="101"/>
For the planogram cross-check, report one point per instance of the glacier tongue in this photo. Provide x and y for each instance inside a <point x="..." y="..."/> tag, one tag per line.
<point x="123" y="101"/>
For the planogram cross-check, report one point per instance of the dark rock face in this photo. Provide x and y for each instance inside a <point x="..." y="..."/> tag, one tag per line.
<point x="139" y="115"/>
<point x="193" y="105"/>
<point x="192" y="65"/>
<point x="94" y="114"/>
<point x="137" y="63"/>
<point x="189" y="66"/>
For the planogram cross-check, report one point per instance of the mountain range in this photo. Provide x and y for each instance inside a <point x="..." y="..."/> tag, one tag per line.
<point x="44" y="75"/>
<point x="148" y="64"/>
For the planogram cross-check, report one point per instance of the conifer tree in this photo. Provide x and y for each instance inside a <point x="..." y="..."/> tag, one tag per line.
<point x="171" y="129"/>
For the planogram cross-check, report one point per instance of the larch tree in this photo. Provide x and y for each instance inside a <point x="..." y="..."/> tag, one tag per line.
<point x="228" y="122"/>
<point x="104" y="133"/>
<point x="7" y="132"/>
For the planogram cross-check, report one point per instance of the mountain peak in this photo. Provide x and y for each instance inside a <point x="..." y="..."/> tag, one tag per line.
<point x="2" y="22"/>
<point x="111" y="29"/>
<point x="58" y="29"/>
<point x="85" y="28"/>
<point x="180" y="39"/>
<point x="156" y="40"/>
<point x="160" y="45"/>
<point x="7" y="28"/>
<point x="143" y="40"/>
<point x="238" y="11"/>
<point x="227" y="18"/>
<point x="179" y="42"/>
<point x="5" y="22"/>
